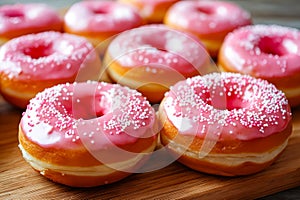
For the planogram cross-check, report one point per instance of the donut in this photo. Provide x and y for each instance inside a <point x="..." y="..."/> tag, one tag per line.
<point x="151" y="58"/>
<point x="211" y="21"/>
<point x="225" y="123"/>
<point x="87" y="134"/>
<point x="33" y="62"/>
<point x="99" y="21"/>
<point x="270" y="52"/>
<point x="22" y="19"/>
<point x="152" y="11"/>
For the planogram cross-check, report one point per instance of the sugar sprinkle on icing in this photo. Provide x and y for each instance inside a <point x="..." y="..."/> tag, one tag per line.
<point x="118" y="110"/>
<point x="44" y="55"/>
<point x="251" y="107"/>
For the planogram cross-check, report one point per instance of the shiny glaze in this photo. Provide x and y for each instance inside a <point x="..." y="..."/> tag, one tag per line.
<point x="158" y="49"/>
<point x="99" y="113"/>
<point x="21" y="19"/>
<point x="207" y="17"/>
<point x="255" y="49"/>
<point x="227" y="106"/>
<point x="101" y="17"/>
<point x="48" y="56"/>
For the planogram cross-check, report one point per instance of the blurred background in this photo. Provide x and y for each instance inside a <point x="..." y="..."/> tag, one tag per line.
<point x="282" y="12"/>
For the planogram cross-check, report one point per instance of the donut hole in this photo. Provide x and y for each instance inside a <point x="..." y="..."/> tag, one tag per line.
<point x="205" y="10"/>
<point x="38" y="51"/>
<point x="234" y="103"/>
<point x="14" y="14"/>
<point x="87" y="114"/>
<point x="273" y="46"/>
<point x="99" y="113"/>
<point x="229" y="100"/>
<point x="229" y="103"/>
<point x="238" y="97"/>
<point x="99" y="11"/>
<point x="90" y="107"/>
<point x="154" y="43"/>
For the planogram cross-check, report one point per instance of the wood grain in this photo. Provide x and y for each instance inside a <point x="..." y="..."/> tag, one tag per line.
<point x="19" y="181"/>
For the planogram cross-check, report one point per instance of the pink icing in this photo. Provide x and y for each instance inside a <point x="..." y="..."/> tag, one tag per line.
<point x="101" y="16"/>
<point x="254" y="49"/>
<point x="159" y="48"/>
<point x="98" y="113"/>
<point x="20" y="17"/>
<point x="227" y="105"/>
<point x="48" y="56"/>
<point x="208" y="17"/>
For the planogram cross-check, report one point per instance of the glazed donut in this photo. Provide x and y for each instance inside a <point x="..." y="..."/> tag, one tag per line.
<point x="99" y="21"/>
<point x="270" y="52"/>
<point x="225" y="123"/>
<point x="31" y="63"/>
<point x="22" y="19"/>
<point x="151" y="58"/>
<point x="87" y="134"/>
<point x="211" y="21"/>
<point x="152" y="11"/>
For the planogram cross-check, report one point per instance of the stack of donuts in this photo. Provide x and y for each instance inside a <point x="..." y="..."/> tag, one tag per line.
<point x="90" y="78"/>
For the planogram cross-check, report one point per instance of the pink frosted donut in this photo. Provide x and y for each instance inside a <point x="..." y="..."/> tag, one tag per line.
<point x="22" y="19"/>
<point x="151" y="58"/>
<point x="211" y="21"/>
<point x="269" y="52"/>
<point x="87" y="134"/>
<point x="98" y="21"/>
<point x="31" y="63"/>
<point x="225" y="123"/>
<point x="152" y="11"/>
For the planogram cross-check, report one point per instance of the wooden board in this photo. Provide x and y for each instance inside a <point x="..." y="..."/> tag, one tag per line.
<point x="18" y="180"/>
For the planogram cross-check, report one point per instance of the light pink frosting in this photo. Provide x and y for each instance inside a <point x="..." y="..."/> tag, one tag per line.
<point x="227" y="106"/>
<point x="264" y="50"/>
<point x="24" y="17"/>
<point x="160" y="49"/>
<point x="208" y="17"/>
<point x="100" y="114"/>
<point x="101" y="16"/>
<point x="48" y="56"/>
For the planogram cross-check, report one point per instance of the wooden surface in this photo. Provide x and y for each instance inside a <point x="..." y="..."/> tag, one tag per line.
<point x="19" y="181"/>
